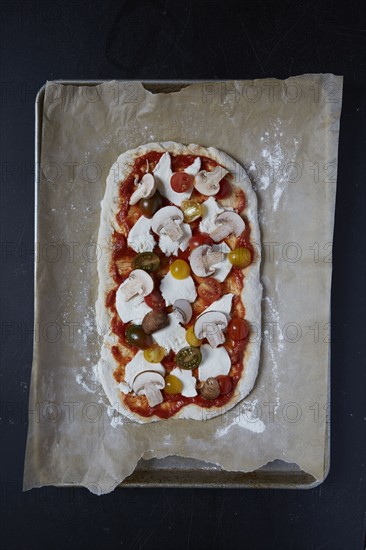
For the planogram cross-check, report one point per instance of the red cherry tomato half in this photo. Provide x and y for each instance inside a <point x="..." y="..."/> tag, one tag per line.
<point x="209" y="290"/>
<point x="180" y="182"/>
<point x="199" y="240"/>
<point x="155" y="300"/>
<point x="238" y="329"/>
<point x="225" y="383"/>
<point x="225" y="189"/>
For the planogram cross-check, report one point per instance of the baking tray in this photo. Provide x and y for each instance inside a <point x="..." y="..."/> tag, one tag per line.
<point x="175" y="471"/>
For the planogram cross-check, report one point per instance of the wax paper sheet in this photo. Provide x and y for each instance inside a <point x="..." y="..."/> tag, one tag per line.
<point x="285" y="133"/>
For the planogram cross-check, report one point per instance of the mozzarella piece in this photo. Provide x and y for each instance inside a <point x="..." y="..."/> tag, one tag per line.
<point x="169" y="247"/>
<point x="163" y="173"/>
<point x="210" y="210"/>
<point x="188" y="381"/>
<point x="215" y="361"/>
<point x="136" y="366"/>
<point x="173" y="289"/>
<point x="171" y="337"/>
<point x="139" y="238"/>
<point x="134" y="309"/>
<point x="223" y="305"/>
<point x="193" y="168"/>
<point x="222" y="269"/>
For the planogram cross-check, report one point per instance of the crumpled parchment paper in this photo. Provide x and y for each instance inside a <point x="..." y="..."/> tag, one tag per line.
<point x="285" y="133"/>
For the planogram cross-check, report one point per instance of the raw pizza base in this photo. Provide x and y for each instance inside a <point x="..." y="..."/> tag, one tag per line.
<point x="251" y="294"/>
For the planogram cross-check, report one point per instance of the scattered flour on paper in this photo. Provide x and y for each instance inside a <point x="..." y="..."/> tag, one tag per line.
<point x="88" y="379"/>
<point x="273" y="173"/>
<point x="245" y="417"/>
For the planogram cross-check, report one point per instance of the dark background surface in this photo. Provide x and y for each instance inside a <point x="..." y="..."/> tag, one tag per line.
<point x="103" y="40"/>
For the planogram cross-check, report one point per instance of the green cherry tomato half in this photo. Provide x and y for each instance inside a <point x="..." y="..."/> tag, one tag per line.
<point x="238" y="329"/>
<point x="188" y="358"/>
<point x="173" y="385"/>
<point x="148" y="207"/>
<point x="148" y="261"/>
<point x="135" y="336"/>
<point x="225" y="383"/>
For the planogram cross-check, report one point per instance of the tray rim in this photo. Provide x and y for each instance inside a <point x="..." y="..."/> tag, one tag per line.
<point x="249" y="481"/>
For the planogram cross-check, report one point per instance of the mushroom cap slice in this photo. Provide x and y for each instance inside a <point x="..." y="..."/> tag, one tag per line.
<point x="167" y="221"/>
<point x="210" y="325"/>
<point x="145" y="189"/>
<point x="149" y="383"/>
<point x="208" y="183"/>
<point x="183" y="309"/>
<point x="138" y="282"/>
<point x="203" y="258"/>
<point x="227" y="223"/>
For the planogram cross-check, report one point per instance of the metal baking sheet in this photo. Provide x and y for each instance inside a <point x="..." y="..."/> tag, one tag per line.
<point x="175" y="471"/>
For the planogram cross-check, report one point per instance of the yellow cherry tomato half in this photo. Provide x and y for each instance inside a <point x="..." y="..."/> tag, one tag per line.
<point x="240" y="257"/>
<point x="172" y="384"/>
<point x="191" y="337"/>
<point x="154" y="354"/>
<point x="180" y="269"/>
<point x="192" y="210"/>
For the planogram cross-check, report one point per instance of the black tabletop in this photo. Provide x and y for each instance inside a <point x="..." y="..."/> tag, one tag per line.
<point x="182" y="40"/>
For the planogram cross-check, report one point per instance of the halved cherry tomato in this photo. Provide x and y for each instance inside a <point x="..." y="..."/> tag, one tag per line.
<point x="225" y="383"/>
<point x="199" y="240"/>
<point x="238" y="329"/>
<point x="240" y="257"/>
<point x="180" y="182"/>
<point x="173" y="385"/>
<point x="148" y="207"/>
<point x="180" y="269"/>
<point x="136" y="336"/>
<point x="155" y="300"/>
<point x="209" y="290"/>
<point x="224" y="191"/>
<point x="188" y="358"/>
<point x="191" y="337"/>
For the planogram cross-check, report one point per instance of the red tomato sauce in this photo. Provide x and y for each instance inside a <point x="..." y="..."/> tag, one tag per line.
<point x="120" y="267"/>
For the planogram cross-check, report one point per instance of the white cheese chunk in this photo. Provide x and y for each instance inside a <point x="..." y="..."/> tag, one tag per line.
<point x="173" y="289"/>
<point x="210" y="210"/>
<point x="223" y="305"/>
<point x="140" y="238"/>
<point x="169" y="247"/>
<point x="136" y="366"/>
<point x="163" y="173"/>
<point x="134" y="309"/>
<point x="215" y="361"/>
<point x="188" y="381"/>
<point x="171" y="337"/>
<point x="193" y="168"/>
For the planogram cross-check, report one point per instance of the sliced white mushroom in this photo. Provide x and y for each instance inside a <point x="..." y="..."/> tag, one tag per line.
<point x="227" y="223"/>
<point x="203" y="258"/>
<point x="167" y="221"/>
<point x="211" y="325"/>
<point x="138" y="365"/>
<point x="145" y="189"/>
<point x="183" y="311"/>
<point x="149" y="383"/>
<point x="208" y="183"/>
<point x="138" y="283"/>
